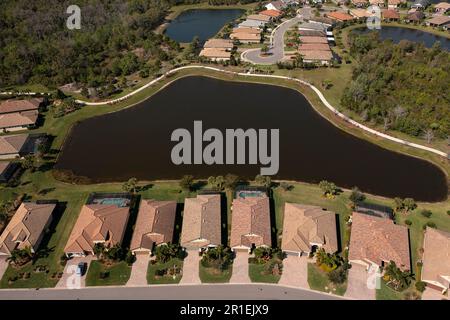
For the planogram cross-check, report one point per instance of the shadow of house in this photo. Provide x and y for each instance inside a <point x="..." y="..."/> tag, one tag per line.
<point x="135" y="202"/>
<point x="178" y="223"/>
<point x="338" y="233"/>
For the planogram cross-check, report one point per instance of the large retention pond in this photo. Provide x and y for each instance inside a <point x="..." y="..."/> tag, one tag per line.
<point x="397" y="34"/>
<point x="202" y="23"/>
<point x="136" y="142"/>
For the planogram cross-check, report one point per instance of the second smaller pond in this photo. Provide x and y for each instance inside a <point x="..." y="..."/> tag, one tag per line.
<point x="203" y="23"/>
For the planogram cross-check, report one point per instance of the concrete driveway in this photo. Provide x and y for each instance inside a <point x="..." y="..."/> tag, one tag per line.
<point x="191" y="268"/>
<point x="240" y="268"/>
<point x="357" y="284"/>
<point x="295" y="272"/>
<point x="276" y="51"/>
<point x="138" y="275"/>
<point x="69" y="279"/>
<point x="431" y="294"/>
<point x="3" y="266"/>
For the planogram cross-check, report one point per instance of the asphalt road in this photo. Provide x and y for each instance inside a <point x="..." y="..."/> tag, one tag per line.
<point x="171" y="292"/>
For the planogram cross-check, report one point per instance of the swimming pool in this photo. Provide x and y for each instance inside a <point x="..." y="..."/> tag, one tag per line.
<point x="250" y="194"/>
<point x="120" y="202"/>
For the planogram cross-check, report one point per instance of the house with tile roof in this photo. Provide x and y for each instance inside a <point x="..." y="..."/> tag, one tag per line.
<point x="155" y="224"/>
<point x="436" y="259"/>
<point x="438" y="21"/>
<point x="273" y="14"/>
<point x="13" y="146"/>
<point x="307" y="228"/>
<point x="377" y="241"/>
<point x="250" y="223"/>
<point x="26" y="228"/>
<point x="379" y="3"/>
<point x="224" y="44"/>
<point x="12" y="106"/>
<point x="202" y="222"/>
<point x="7" y="170"/>
<point x="390" y="15"/>
<point x="214" y="54"/>
<point x="339" y="16"/>
<point x="17" y="121"/>
<point x="243" y="37"/>
<point x="360" y="3"/>
<point x="442" y="7"/>
<point x="97" y="223"/>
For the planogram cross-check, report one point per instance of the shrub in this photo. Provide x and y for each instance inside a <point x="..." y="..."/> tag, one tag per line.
<point x="408" y="222"/>
<point x="426" y="213"/>
<point x="448" y="212"/>
<point x="104" y="274"/>
<point x="420" y="286"/>
<point x="338" y="276"/>
<point x="429" y="224"/>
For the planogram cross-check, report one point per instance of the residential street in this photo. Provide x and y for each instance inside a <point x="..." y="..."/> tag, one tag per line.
<point x="172" y="292"/>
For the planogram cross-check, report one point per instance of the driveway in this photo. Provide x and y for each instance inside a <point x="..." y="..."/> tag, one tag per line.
<point x="431" y="294"/>
<point x="240" y="268"/>
<point x="138" y="275"/>
<point x="70" y="280"/>
<point x="3" y="266"/>
<point x="357" y="284"/>
<point x="276" y="51"/>
<point x="295" y="272"/>
<point x="191" y="268"/>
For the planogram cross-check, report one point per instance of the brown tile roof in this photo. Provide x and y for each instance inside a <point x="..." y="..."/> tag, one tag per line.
<point x="246" y="36"/>
<point x="250" y="222"/>
<point x="442" y="5"/>
<point x="376" y="2"/>
<point x="377" y="239"/>
<point x="218" y="44"/>
<point x="259" y="17"/>
<point x="436" y="257"/>
<point x="439" y="20"/>
<point x="20" y="105"/>
<point x="416" y="16"/>
<point x="355" y="2"/>
<point x="247" y="30"/>
<point x="97" y="223"/>
<point x="308" y="39"/>
<point x="314" y="46"/>
<point x="201" y="221"/>
<point x="155" y="223"/>
<point x="271" y="13"/>
<point x="311" y="33"/>
<point x="305" y="226"/>
<point x="12" y="144"/>
<point x="18" y="119"/>
<point x="321" y="55"/>
<point x="340" y="16"/>
<point x="390" y="14"/>
<point x="215" y="53"/>
<point x="26" y="227"/>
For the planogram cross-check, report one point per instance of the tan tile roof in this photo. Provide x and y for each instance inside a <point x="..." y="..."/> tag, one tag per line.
<point x="12" y="144"/>
<point x="394" y="2"/>
<point x="271" y="13"/>
<point x="321" y="55"/>
<point x="314" y="46"/>
<point x="442" y="5"/>
<point x="250" y="222"/>
<point x="376" y="1"/>
<point x="215" y="53"/>
<point x="201" y="221"/>
<point x="26" y="227"/>
<point x="246" y="30"/>
<point x="259" y="17"/>
<point x="439" y="20"/>
<point x="246" y="36"/>
<point x="359" y="1"/>
<point x="97" y="223"/>
<point x="20" y="105"/>
<point x="218" y="44"/>
<point x="436" y="257"/>
<point x="390" y="14"/>
<point x="3" y="166"/>
<point x="312" y="39"/>
<point x="359" y="13"/>
<point x="304" y="226"/>
<point x="378" y="239"/>
<point x="155" y="223"/>
<point x="18" y="119"/>
<point x="340" y="16"/>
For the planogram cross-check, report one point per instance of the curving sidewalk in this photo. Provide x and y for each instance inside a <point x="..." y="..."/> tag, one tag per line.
<point x="317" y="91"/>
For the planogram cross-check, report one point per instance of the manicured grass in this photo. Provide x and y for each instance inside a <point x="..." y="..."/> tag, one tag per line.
<point x="152" y="279"/>
<point x="119" y="273"/>
<point x="213" y="275"/>
<point x="386" y="293"/>
<point x="36" y="280"/>
<point x="318" y="280"/>
<point x="256" y="271"/>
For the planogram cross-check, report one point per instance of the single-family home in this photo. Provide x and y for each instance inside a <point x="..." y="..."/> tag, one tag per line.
<point x="276" y="5"/>
<point x="214" y="54"/>
<point x="252" y="24"/>
<point x="360" y="3"/>
<point x="360" y="14"/>
<point x="97" y="224"/>
<point x="415" y="17"/>
<point x="260" y="18"/>
<point x="247" y="30"/>
<point x="438" y="21"/>
<point x="308" y="39"/>
<point x="250" y="223"/>
<point x="26" y="228"/>
<point x="393" y="4"/>
<point x="17" y="121"/>
<point x="379" y="3"/>
<point x="311" y="33"/>
<point x="318" y="57"/>
<point x="7" y="170"/>
<point x="442" y="7"/>
<point x="246" y="37"/>
<point x="324" y="21"/>
<point x="273" y="14"/>
<point x="202" y="222"/>
<point x="14" y="146"/>
<point x="436" y="259"/>
<point x="314" y="46"/>
<point x="390" y="15"/>
<point x="378" y="241"/>
<point x="155" y="224"/>
<point x="224" y="44"/>
<point x="13" y="106"/>
<point x="420" y="4"/>
<point x="340" y="16"/>
<point x="307" y="228"/>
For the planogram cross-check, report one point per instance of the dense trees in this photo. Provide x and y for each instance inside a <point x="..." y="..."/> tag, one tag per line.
<point x="401" y="86"/>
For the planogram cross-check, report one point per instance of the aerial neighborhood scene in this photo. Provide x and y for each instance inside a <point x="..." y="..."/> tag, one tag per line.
<point x="243" y="149"/>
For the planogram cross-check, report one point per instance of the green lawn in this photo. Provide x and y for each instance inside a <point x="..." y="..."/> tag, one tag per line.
<point x="152" y="279"/>
<point x="257" y="274"/>
<point x="318" y="280"/>
<point x="119" y="273"/>
<point x="213" y="275"/>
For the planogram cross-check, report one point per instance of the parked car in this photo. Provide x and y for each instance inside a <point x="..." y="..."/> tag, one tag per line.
<point x="81" y="268"/>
